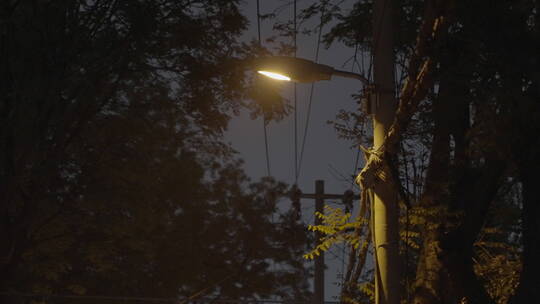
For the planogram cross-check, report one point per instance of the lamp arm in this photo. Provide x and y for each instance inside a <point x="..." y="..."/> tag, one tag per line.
<point x="350" y="75"/>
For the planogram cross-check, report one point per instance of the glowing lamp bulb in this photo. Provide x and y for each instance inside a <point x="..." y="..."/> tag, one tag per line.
<point x="274" y="75"/>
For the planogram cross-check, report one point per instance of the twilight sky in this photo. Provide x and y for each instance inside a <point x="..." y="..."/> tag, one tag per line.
<point x="325" y="156"/>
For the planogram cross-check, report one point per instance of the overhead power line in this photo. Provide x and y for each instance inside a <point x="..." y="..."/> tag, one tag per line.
<point x="295" y="107"/>
<point x="263" y="114"/>
<point x="306" y="127"/>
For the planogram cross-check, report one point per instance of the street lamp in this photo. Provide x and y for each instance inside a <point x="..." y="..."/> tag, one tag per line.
<point x="299" y="70"/>
<point x="384" y="202"/>
<point x="302" y="70"/>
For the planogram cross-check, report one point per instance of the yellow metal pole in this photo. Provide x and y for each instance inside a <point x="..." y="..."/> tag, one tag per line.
<point x="385" y="207"/>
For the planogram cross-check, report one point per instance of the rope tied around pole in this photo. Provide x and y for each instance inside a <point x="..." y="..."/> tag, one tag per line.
<point x="376" y="169"/>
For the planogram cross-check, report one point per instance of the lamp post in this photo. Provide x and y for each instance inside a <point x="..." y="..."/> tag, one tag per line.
<point x="384" y="202"/>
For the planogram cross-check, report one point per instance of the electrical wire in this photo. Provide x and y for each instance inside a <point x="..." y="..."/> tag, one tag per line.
<point x="258" y="23"/>
<point x="266" y="147"/>
<point x="335" y="255"/>
<point x="306" y="127"/>
<point x="355" y="167"/>
<point x="357" y="157"/>
<point x="295" y="105"/>
<point x="265" y="122"/>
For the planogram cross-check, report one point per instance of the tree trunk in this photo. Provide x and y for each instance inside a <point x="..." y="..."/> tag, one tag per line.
<point x="472" y="197"/>
<point x="430" y="272"/>
<point x="456" y="200"/>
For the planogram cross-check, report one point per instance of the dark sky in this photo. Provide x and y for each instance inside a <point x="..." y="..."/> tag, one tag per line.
<point x="325" y="156"/>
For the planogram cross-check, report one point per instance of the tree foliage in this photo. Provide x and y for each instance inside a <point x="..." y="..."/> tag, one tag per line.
<point x="114" y="178"/>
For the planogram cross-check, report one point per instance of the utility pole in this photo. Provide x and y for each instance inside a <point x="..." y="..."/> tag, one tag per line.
<point x="385" y="207"/>
<point x="319" y="196"/>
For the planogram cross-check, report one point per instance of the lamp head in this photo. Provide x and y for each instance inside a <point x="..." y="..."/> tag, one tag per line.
<point x="293" y="69"/>
<point x="275" y="75"/>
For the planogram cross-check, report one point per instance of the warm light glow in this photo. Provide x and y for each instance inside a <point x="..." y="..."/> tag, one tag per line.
<point x="275" y="75"/>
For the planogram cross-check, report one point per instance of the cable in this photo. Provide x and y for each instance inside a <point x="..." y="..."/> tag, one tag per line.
<point x="357" y="157"/>
<point x="295" y="232"/>
<point x="295" y="107"/>
<point x="258" y="23"/>
<point x="336" y="256"/>
<point x="265" y="123"/>
<point x="311" y="92"/>
<point x="355" y="166"/>
<point x="266" y="147"/>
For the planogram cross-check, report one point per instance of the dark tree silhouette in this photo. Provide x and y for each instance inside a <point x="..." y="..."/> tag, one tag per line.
<point x="467" y="149"/>
<point x="113" y="176"/>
